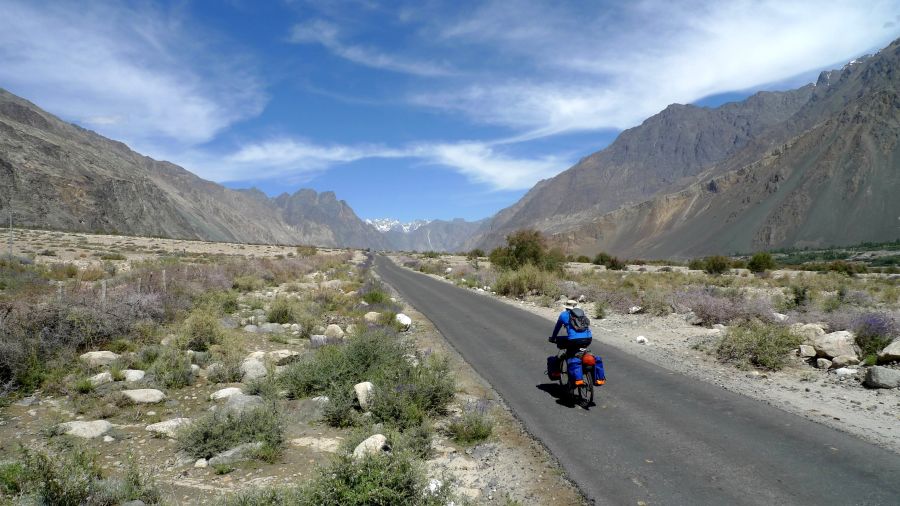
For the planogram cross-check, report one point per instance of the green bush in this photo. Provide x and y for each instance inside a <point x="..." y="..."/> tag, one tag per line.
<point x="84" y="386"/>
<point x="584" y="259"/>
<point x="171" y="369"/>
<point x="12" y="479"/>
<point x="247" y="283"/>
<point x="599" y="310"/>
<point x="758" y="344"/>
<point x="221" y="430"/>
<point x="281" y="311"/>
<point x="527" y="247"/>
<point x="201" y="330"/>
<point x="475" y="254"/>
<point x="307" y="251"/>
<point x="376" y="296"/>
<point x="472" y="427"/>
<point x="761" y="262"/>
<point x="696" y="264"/>
<point x="610" y="262"/>
<point x="219" y="301"/>
<point x="716" y="264"/>
<point x="112" y="256"/>
<point x="405" y="396"/>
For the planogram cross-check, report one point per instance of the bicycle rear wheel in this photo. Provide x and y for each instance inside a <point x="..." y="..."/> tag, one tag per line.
<point x="586" y="391"/>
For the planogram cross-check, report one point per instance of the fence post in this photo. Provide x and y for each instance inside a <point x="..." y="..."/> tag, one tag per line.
<point x="103" y="294"/>
<point x="164" y="281"/>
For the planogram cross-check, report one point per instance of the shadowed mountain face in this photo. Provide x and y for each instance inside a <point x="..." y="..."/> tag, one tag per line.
<point x="815" y="166"/>
<point x="437" y="235"/>
<point x="60" y="176"/>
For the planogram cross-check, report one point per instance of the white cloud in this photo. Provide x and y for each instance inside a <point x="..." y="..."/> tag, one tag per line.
<point x="138" y="75"/>
<point x="562" y="70"/>
<point x="296" y="159"/>
<point x="327" y="35"/>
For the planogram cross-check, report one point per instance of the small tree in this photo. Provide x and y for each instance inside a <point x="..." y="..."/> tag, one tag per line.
<point x="761" y="262"/>
<point x="475" y="254"/>
<point x="716" y="264"/>
<point x="610" y="262"/>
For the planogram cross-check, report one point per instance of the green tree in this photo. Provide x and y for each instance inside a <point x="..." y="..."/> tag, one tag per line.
<point x="716" y="264"/>
<point x="761" y="262"/>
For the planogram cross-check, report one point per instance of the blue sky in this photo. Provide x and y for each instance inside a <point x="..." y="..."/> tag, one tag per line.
<point x="422" y="109"/>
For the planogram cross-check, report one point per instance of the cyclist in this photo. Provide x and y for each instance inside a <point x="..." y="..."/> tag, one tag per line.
<point x="575" y="339"/>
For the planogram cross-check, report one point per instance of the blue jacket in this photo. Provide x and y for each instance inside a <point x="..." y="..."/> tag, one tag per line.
<point x="563" y="321"/>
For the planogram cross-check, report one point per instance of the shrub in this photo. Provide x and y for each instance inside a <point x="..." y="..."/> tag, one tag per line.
<point x="599" y="310"/>
<point x="84" y="386"/>
<point x="713" y="306"/>
<point x="759" y="344"/>
<point x="172" y="369"/>
<point x="475" y="254"/>
<point x="12" y="478"/>
<point x="248" y="283"/>
<point x="112" y="256"/>
<point x="761" y="262"/>
<point x="218" y="301"/>
<point x="525" y="247"/>
<point x="405" y="396"/>
<point x="716" y="264"/>
<point x="201" y="329"/>
<point x="281" y="311"/>
<point x="696" y="264"/>
<point x="221" y="430"/>
<point x="474" y="426"/>
<point x="526" y="280"/>
<point x="608" y="261"/>
<point x="874" y="331"/>
<point x="307" y="251"/>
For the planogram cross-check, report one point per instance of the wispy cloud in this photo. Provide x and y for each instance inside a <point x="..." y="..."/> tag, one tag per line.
<point x="297" y="159"/>
<point x="136" y="74"/>
<point x="328" y="35"/>
<point x="566" y="69"/>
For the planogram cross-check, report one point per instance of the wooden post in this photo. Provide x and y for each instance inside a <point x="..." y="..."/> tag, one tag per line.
<point x="103" y="294"/>
<point x="164" y="281"/>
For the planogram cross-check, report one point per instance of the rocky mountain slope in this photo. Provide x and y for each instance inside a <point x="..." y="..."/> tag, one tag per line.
<point x="814" y="166"/>
<point x="60" y="176"/>
<point x="435" y="235"/>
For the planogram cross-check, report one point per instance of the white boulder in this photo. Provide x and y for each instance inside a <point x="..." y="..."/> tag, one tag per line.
<point x="806" y="351"/>
<point x="635" y="309"/>
<point x="283" y="357"/>
<point x="364" y="393"/>
<point x="373" y="445"/>
<point x="372" y="317"/>
<point x="252" y="368"/>
<point x="891" y="353"/>
<point x="404" y="321"/>
<point x="100" y="379"/>
<point x="167" y="428"/>
<point x="86" y="430"/>
<point x="132" y="375"/>
<point x="225" y="393"/>
<point x="808" y="331"/>
<point x="334" y="332"/>
<point x="835" y="344"/>
<point x="144" y="395"/>
<point x="845" y="371"/>
<point x="98" y="358"/>
<point x="640" y="340"/>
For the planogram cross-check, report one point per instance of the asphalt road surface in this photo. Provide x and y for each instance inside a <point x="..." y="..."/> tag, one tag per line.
<point x="654" y="435"/>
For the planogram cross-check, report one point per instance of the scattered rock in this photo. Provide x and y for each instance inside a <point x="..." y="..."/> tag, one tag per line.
<point x="823" y="363"/>
<point x="225" y="393"/>
<point x="271" y="328"/>
<point x="100" y="379"/>
<point x="845" y="371"/>
<point x="640" y="340"/>
<point x="372" y="317"/>
<point x="882" y="377"/>
<point x="334" y="332"/>
<point x="245" y="451"/>
<point x="692" y="319"/>
<point x="806" y="351"/>
<point x="251" y="328"/>
<point x="133" y="375"/>
<point x="283" y="357"/>
<point x="86" y="430"/>
<point x="98" y="358"/>
<point x="835" y="344"/>
<point x="808" y="331"/>
<point x="404" y="321"/>
<point x="322" y="444"/>
<point x="195" y="369"/>
<point x="635" y="309"/>
<point x="373" y="445"/>
<point x="351" y="329"/>
<point x="144" y="395"/>
<point x="108" y="439"/>
<point x="891" y="353"/>
<point x="252" y="368"/>
<point x="364" y="393"/>
<point x="201" y="464"/>
<point x="779" y="317"/>
<point x="844" y="361"/>
<point x="168" y="427"/>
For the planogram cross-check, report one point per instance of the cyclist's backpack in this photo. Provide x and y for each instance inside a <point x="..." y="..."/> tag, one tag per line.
<point x="579" y="320"/>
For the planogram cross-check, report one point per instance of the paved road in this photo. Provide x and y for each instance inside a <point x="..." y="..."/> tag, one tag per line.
<point x="654" y="436"/>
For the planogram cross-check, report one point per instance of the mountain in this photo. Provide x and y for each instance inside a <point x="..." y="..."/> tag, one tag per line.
<point x="434" y="235"/>
<point x="388" y="224"/>
<point x="815" y="166"/>
<point x="60" y="176"/>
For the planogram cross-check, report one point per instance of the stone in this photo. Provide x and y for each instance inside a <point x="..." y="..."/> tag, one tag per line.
<point x="779" y="317"/>
<point x="364" y="393"/>
<point x="806" y="351"/>
<point x="108" y="439"/>
<point x="692" y="319"/>
<point x="256" y="355"/>
<point x="98" y="358"/>
<point x="167" y="428"/>
<point x="317" y="341"/>
<point x="835" y="344"/>
<point x="86" y="430"/>
<point x="404" y="321"/>
<point x="236" y="454"/>
<point x="240" y="403"/>
<point x="808" y="331"/>
<point x="100" y="379"/>
<point x="351" y="329"/>
<point x="845" y="371"/>
<point x="322" y="444"/>
<point x="271" y="328"/>
<point x="201" y="464"/>
<point x="891" y="353"/>
<point x="372" y="317"/>
<point x="844" y="361"/>
<point x="823" y="363"/>
<point x="144" y="395"/>
<point x="373" y="445"/>
<point x="225" y="393"/>
<point x="251" y="328"/>
<point x="252" y="368"/>
<point x="132" y="375"/>
<point x="640" y="340"/>
<point x="635" y="309"/>
<point x="882" y="377"/>
<point x="334" y="332"/>
<point x="283" y="357"/>
<point x="448" y="270"/>
<point x="195" y="369"/>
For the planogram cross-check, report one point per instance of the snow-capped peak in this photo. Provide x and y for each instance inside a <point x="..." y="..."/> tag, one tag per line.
<point x="389" y="224"/>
